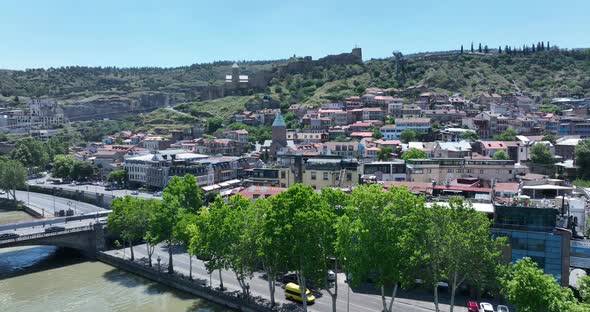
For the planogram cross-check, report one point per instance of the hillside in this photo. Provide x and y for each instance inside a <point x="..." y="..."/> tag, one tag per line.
<point x="549" y="73"/>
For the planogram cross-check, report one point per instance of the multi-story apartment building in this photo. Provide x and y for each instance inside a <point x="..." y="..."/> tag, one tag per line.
<point x="373" y="113"/>
<point x="574" y="126"/>
<point x="343" y="149"/>
<point x="384" y="170"/>
<point x="390" y="132"/>
<point x="444" y="170"/>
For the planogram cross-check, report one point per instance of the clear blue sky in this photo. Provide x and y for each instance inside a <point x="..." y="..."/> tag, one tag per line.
<point x="48" y="33"/>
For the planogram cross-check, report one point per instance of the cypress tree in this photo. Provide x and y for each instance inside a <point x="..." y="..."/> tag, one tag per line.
<point x="471" y="47"/>
<point x="499" y="49"/>
<point x="543" y="45"/>
<point x="479" y="48"/>
<point x="533" y="48"/>
<point x="485" y="49"/>
<point x="548" y="46"/>
<point x="461" y="49"/>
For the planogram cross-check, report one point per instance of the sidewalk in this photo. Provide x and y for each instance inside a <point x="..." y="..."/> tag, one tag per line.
<point x="363" y="299"/>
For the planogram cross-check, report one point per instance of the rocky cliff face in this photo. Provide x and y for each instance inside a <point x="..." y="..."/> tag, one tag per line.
<point x="114" y="107"/>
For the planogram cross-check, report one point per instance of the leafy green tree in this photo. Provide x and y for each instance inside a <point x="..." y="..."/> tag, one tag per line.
<point x="408" y="135"/>
<point x="584" y="288"/>
<point x="272" y="245"/>
<point x="531" y="290"/>
<point x="81" y="170"/>
<point x="128" y="219"/>
<point x="500" y="155"/>
<point x="414" y="153"/>
<point x="470" y="251"/>
<point x="213" y="124"/>
<point x="184" y="234"/>
<point x="377" y="134"/>
<point x="242" y="232"/>
<point x="12" y="176"/>
<point x="62" y="166"/>
<point x="215" y="236"/>
<point x="163" y="219"/>
<point x="118" y="176"/>
<point x="304" y="221"/>
<point x="549" y="136"/>
<point x="469" y="136"/>
<point x="540" y="154"/>
<point x="507" y="135"/>
<point x="583" y="159"/>
<point x="31" y="152"/>
<point x="384" y="153"/>
<point x="186" y="191"/>
<point x="376" y="236"/>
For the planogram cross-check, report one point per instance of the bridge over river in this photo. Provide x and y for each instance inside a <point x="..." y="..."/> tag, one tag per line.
<point x="84" y="233"/>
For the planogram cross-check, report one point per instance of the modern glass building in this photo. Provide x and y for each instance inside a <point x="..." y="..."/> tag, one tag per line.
<point x="532" y="232"/>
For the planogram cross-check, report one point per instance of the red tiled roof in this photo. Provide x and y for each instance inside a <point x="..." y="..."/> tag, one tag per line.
<point x="463" y="188"/>
<point x="260" y="191"/>
<point x="362" y="134"/>
<point x="416" y="187"/>
<point x="507" y="187"/>
<point x="494" y="144"/>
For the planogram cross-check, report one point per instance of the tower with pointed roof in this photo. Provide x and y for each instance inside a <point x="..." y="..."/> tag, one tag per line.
<point x="235" y="73"/>
<point x="279" y="135"/>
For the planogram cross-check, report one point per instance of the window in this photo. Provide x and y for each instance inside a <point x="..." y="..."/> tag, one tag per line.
<point x="325" y="176"/>
<point x="349" y="177"/>
<point x="481" y="171"/>
<point x="313" y="175"/>
<point x="429" y="170"/>
<point x="283" y="174"/>
<point x="449" y="170"/>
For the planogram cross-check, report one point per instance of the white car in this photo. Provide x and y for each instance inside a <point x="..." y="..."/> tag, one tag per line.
<point x="134" y="193"/>
<point x="503" y="308"/>
<point x="486" y="307"/>
<point x="331" y="276"/>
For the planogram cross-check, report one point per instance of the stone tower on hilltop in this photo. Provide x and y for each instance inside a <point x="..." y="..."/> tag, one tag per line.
<point x="279" y="135"/>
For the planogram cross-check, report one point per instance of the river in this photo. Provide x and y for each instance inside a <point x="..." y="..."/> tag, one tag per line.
<point x="44" y="278"/>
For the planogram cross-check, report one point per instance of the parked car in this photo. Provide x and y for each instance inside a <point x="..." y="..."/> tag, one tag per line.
<point x="8" y="236"/>
<point x="486" y="307"/>
<point x="331" y="276"/>
<point x="134" y="193"/>
<point x="503" y="308"/>
<point x="54" y="228"/>
<point x="472" y="306"/>
<point x="40" y="181"/>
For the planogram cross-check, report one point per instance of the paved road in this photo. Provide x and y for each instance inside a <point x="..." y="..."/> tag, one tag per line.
<point x="367" y="301"/>
<point x="86" y="188"/>
<point x="38" y="226"/>
<point x="54" y="203"/>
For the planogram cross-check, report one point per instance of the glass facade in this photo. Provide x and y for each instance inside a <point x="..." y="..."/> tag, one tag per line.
<point x="543" y="248"/>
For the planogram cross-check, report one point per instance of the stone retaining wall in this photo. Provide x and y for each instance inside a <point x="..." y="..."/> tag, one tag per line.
<point x="181" y="282"/>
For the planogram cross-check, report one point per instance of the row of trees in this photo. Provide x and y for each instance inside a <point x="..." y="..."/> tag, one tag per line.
<point x="36" y="153"/>
<point x="390" y="236"/>
<point x="539" y="46"/>
<point x="66" y="167"/>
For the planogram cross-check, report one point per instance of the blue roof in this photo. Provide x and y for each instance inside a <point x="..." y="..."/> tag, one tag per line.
<point x="279" y="121"/>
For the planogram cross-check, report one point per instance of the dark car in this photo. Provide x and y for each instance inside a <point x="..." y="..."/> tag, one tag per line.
<point x="292" y="278"/>
<point x="54" y="228"/>
<point x="8" y="236"/>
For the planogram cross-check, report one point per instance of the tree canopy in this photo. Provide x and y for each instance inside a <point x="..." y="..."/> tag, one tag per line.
<point x="408" y="135"/>
<point x="500" y="155"/>
<point x="507" y="135"/>
<point x="583" y="159"/>
<point x="414" y="153"/>
<point x="540" y="154"/>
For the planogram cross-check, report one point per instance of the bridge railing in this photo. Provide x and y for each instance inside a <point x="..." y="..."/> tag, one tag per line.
<point x="51" y="221"/>
<point x="47" y="234"/>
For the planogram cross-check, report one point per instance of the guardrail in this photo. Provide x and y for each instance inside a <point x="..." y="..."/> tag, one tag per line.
<point x="52" y="221"/>
<point x="47" y="234"/>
